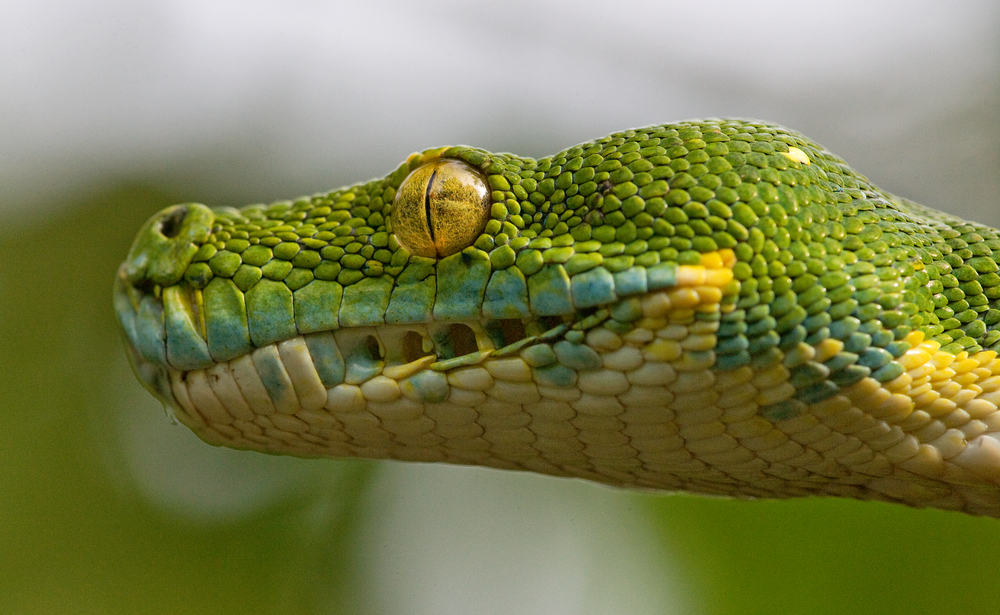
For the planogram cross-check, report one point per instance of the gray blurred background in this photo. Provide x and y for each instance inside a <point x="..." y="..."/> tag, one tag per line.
<point x="110" y="110"/>
<point x="258" y="100"/>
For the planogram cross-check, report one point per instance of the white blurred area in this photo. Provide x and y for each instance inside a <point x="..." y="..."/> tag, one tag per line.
<point x="258" y="100"/>
<point x="449" y="540"/>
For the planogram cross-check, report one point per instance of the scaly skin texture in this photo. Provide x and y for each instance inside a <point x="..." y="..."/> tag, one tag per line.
<point x="717" y="306"/>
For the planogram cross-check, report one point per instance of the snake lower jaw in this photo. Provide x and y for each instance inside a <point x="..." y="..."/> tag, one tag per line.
<point x="633" y="408"/>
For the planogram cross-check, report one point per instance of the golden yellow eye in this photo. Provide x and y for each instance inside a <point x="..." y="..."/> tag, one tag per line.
<point x="440" y="208"/>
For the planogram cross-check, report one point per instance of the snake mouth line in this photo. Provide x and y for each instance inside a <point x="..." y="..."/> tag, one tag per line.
<point x="172" y="330"/>
<point x="351" y="355"/>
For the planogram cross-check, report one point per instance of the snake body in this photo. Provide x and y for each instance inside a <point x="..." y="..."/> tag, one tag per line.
<point x="718" y="306"/>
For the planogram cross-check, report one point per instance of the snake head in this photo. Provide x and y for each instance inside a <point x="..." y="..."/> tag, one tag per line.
<point x="388" y="294"/>
<point x="720" y="306"/>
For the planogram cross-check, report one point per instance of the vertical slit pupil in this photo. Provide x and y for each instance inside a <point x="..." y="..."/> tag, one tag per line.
<point x="427" y="204"/>
<point x="463" y="339"/>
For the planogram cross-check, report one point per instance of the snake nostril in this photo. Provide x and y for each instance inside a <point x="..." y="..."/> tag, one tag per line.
<point x="163" y="249"/>
<point x="170" y="225"/>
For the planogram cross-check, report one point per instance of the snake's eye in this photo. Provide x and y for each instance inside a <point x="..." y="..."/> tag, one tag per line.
<point x="440" y="208"/>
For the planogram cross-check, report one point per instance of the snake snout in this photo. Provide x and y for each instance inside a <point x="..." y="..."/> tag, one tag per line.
<point x="160" y="254"/>
<point x="166" y="244"/>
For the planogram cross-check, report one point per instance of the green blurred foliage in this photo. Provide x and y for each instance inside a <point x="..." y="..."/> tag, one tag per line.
<point x="823" y="555"/>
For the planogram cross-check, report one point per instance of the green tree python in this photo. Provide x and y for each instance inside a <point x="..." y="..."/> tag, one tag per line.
<point x="719" y="306"/>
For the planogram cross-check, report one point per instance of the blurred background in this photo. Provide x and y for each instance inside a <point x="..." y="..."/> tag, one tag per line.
<point x="112" y="109"/>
